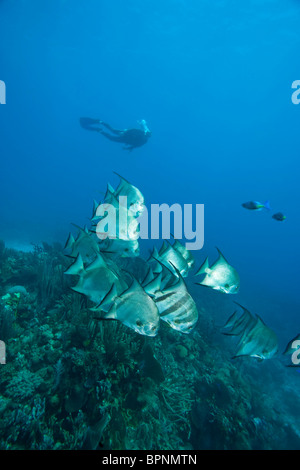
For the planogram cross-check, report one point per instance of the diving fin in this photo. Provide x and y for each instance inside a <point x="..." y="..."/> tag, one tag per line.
<point x="87" y="123"/>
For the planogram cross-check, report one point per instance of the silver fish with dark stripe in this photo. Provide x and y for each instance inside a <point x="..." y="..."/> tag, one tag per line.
<point x="176" y="307"/>
<point x="256" y="339"/>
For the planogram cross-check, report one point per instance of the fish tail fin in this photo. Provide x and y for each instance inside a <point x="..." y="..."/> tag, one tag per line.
<point x="267" y="205"/>
<point x="203" y="268"/>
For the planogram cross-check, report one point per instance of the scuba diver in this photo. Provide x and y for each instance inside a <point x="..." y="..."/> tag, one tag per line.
<point x="132" y="138"/>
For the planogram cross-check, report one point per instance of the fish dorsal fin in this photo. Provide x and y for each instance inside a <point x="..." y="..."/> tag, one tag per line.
<point x="179" y="280"/>
<point x="152" y="287"/>
<point x="177" y="243"/>
<point x="110" y="188"/>
<point x="221" y="259"/>
<point x="164" y="247"/>
<point x="109" y="191"/>
<point x="260" y="320"/>
<point x="114" y="272"/>
<point x="82" y="230"/>
<point x="162" y="265"/>
<point x="175" y="269"/>
<point x="148" y="278"/>
<point x="231" y="320"/>
<point x="203" y="268"/>
<point x="70" y="242"/>
<point x="109" y="297"/>
<point x="155" y="253"/>
<point x="122" y="178"/>
<point x="77" y="268"/>
<point x="245" y="310"/>
<point x="95" y="207"/>
<point x="110" y="198"/>
<point x="174" y="286"/>
<point x="114" y="198"/>
<point x="82" y="233"/>
<point x="98" y="262"/>
<point x="158" y="267"/>
<point x="124" y="184"/>
<point x="134" y="287"/>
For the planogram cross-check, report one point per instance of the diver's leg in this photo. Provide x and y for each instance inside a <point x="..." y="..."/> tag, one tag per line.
<point x="111" y="129"/>
<point x="114" y="138"/>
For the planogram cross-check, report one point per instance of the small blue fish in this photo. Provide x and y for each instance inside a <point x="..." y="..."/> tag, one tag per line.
<point x="256" y="206"/>
<point x="279" y="216"/>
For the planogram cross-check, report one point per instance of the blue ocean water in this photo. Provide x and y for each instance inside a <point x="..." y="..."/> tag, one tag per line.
<point x="213" y="81"/>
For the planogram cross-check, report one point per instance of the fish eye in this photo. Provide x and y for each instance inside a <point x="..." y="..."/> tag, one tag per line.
<point x="153" y="328"/>
<point x="138" y="323"/>
<point x="226" y="286"/>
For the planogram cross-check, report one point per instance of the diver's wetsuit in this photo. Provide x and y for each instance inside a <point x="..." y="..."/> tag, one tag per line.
<point x="132" y="138"/>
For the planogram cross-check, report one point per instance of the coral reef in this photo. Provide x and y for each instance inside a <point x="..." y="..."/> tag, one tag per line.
<point x="72" y="382"/>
